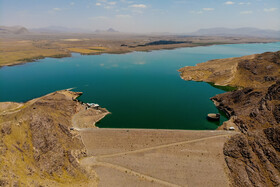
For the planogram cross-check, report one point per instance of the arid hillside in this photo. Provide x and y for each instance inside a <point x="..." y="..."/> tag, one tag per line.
<point x="252" y="157"/>
<point x="37" y="146"/>
<point x="260" y="70"/>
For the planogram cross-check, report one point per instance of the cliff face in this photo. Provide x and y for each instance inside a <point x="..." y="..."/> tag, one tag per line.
<point x="36" y="145"/>
<point x="253" y="157"/>
<point x="250" y="108"/>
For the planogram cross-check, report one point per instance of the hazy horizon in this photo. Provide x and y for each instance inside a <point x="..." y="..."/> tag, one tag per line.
<point x="178" y="16"/>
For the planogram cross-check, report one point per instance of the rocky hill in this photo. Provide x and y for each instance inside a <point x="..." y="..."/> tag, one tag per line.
<point x="13" y="30"/>
<point x="259" y="70"/>
<point x="252" y="157"/>
<point x="37" y="147"/>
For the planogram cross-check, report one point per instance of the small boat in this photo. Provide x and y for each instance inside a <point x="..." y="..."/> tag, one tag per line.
<point x="214" y="117"/>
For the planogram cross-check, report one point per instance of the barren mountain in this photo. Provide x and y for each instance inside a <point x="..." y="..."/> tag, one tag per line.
<point x="13" y="30"/>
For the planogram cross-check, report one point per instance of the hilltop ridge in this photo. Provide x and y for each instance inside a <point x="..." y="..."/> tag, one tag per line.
<point x="13" y="30"/>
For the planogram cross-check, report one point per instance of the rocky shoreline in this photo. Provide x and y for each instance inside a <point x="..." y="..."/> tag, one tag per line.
<point x="252" y="157"/>
<point x="40" y="146"/>
<point x="37" y="145"/>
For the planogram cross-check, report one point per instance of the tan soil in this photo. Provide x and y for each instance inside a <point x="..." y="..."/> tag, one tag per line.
<point x="157" y="157"/>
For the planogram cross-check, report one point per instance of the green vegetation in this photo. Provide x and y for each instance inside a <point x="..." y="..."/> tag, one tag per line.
<point x="225" y="88"/>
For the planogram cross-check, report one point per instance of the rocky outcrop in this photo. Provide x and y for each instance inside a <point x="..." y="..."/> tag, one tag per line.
<point x="249" y="71"/>
<point x="37" y="146"/>
<point x="252" y="108"/>
<point x="253" y="157"/>
<point x="253" y="160"/>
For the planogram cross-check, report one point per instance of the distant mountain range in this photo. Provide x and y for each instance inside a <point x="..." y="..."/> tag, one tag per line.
<point x="219" y="31"/>
<point x="242" y="32"/>
<point x="13" y="30"/>
<point x="110" y="30"/>
<point x="59" y="29"/>
<point x="50" y="29"/>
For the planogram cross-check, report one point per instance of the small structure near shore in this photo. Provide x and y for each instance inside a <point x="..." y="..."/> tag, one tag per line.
<point x="213" y="117"/>
<point x="231" y="128"/>
<point x="93" y="105"/>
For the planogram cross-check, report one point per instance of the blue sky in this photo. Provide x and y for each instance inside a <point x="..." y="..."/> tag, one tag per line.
<point x="177" y="16"/>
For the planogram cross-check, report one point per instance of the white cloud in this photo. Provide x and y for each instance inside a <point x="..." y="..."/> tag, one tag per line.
<point x="270" y="9"/>
<point x="108" y="7"/>
<point x="112" y="3"/>
<point x="125" y="1"/>
<point x="229" y="3"/>
<point x="72" y="3"/>
<point x="57" y="9"/>
<point x="246" y="12"/>
<point x="208" y="9"/>
<point x="244" y="3"/>
<point x="138" y="6"/>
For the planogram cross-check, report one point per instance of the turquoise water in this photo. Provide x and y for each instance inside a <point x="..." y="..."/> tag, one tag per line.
<point x="141" y="89"/>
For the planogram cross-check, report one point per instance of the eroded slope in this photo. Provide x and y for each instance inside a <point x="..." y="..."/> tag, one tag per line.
<point x="36" y="145"/>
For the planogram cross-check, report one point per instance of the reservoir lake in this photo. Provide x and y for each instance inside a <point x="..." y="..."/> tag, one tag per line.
<point x="140" y="89"/>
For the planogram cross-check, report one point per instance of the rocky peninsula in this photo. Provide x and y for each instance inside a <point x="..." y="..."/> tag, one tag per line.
<point x="38" y="145"/>
<point x="253" y="157"/>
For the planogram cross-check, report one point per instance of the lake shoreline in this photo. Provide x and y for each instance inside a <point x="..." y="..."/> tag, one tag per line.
<point x="192" y="96"/>
<point x="119" y="50"/>
<point x="48" y="113"/>
<point x="124" y="153"/>
<point x="253" y="111"/>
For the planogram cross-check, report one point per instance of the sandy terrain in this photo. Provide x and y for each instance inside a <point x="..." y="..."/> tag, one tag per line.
<point x="17" y="49"/>
<point x="126" y="157"/>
